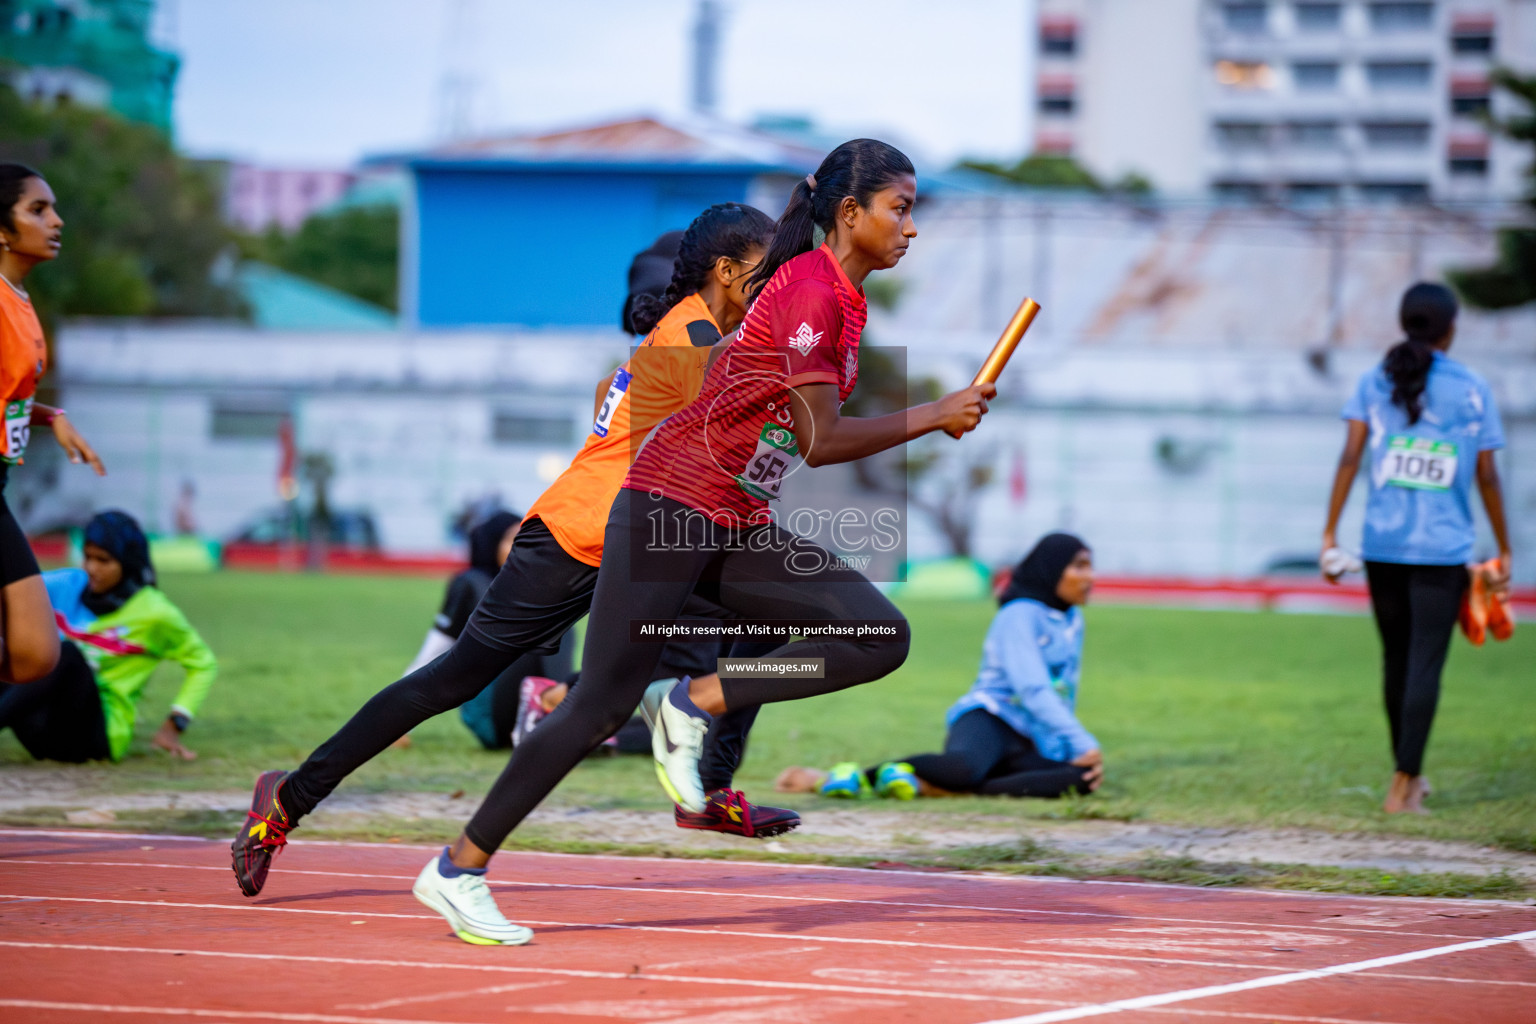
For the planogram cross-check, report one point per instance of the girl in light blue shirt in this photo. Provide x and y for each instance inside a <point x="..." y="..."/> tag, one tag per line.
<point x="1015" y="733"/>
<point x="1429" y="427"/>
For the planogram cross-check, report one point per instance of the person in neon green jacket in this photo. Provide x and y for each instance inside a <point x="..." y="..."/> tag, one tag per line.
<point x="116" y="628"/>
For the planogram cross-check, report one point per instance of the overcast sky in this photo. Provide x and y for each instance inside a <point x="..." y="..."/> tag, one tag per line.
<point x="324" y="82"/>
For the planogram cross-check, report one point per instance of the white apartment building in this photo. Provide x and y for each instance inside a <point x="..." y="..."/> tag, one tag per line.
<point x="1289" y="100"/>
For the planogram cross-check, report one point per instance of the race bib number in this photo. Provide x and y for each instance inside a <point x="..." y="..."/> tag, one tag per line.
<point x="18" y="428"/>
<point x="1419" y="463"/>
<point x="616" y="392"/>
<point x="776" y="453"/>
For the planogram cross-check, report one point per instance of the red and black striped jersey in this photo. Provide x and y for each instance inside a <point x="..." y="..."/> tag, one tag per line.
<point x="727" y="453"/>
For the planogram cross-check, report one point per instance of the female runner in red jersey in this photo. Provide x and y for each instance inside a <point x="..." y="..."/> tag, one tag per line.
<point x="30" y="233"/>
<point x="693" y="514"/>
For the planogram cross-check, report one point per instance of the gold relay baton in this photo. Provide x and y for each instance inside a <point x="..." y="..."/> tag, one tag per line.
<point x="1006" y="343"/>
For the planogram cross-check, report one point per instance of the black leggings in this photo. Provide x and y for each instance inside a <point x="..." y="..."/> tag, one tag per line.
<point x="537" y="596"/>
<point x="1416" y="608"/>
<point x="760" y="572"/>
<point x="983" y="754"/>
<point x="58" y="717"/>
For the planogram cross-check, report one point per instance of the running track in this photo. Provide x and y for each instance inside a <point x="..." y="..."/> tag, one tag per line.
<point x="101" y="926"/>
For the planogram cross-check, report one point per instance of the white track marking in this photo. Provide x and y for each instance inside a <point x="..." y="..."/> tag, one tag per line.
<point x="509" y="883"/>
<point x="438" y="997"/>
<point x="781" y="867"/>
<point x="1206" y="992"/>
<point x="1267" y="1018"/>
<point x="179" y="1011"/>
<point x="562" y="972"/>
<point x="903" y="943"/>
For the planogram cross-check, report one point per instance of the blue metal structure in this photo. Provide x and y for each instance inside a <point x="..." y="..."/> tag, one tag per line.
<point x="541" y="243"/>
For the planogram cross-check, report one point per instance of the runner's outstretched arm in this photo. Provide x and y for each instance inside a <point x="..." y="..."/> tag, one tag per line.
<point x="825" y="437"/>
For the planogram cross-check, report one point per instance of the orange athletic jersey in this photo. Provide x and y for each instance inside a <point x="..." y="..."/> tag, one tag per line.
<point x="662" y="376"/>
<point x="23" y="356"/>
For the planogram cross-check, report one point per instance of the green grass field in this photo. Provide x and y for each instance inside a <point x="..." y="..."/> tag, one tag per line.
<point x="1207" y="718"/>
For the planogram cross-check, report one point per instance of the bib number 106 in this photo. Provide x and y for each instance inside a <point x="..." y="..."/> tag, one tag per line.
<point x="1420" y="464"/>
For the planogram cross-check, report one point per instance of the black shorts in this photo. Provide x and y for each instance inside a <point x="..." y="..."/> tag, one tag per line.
<point x="537" y="595"/>
<point x="17" y="561"/>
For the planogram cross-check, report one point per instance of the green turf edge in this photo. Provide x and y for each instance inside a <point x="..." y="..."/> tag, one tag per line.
<point x="1025" y="857"/>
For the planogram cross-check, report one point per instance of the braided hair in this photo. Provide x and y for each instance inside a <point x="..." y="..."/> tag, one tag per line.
<point x="725" y="229"/>
<point x="1427" y="314"/>
<point x="859" y="168"/>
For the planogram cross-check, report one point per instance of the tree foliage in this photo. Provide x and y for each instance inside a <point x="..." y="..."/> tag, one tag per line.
<point x="143" y="228"/>
<point x="354" y="250"/>
<point x="1511" y="280"/>
<point x="1047" y="170"/>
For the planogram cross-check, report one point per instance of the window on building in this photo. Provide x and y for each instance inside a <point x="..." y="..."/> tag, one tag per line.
<point x="1239" y="191"/>
<point x="1395" y="191"/>
<point x="1313" y="134"/>
<point x="1249" y="19"/>
<point x="530" y="428"/>
<point x="1315" y="76"/>
<point x="1402" y="17"/>
<point x="1313" y="192"/>
<point x="1058" y="38"/>
<point x="1391" y="76"/>
<point x="248" y="419"/>
<point x="1244" y="75"/>
<point x="1242" y="134"/>
<point x="1472" y="43"/>
<point x="1057" y="104"/>
<point x="1468" y="166"/>
<point x="1396" y="134"/>
<point x="1318" y="17"/>
<point x="1470" y="105"/>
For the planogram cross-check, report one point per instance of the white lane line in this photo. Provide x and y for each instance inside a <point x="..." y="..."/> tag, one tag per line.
<point x="781" y="868"/>
<point x="183" y="1011"/>
<point x="458" y="993"/>
<point x="563" y="972"/>
<point x="506" y="884"/>
<point x="1267" y="1018"/>
<point x="581" y="925"/>
<point x="1206" y="992"/>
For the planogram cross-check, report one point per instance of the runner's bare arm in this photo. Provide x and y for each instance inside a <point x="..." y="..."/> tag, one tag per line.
<point x="1344" y="479"/>
<point x="825" y="437"/>
<point x="71" y="440"/>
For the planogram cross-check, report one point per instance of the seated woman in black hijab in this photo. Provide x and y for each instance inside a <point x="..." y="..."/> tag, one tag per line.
<point x="1015" y="733"/>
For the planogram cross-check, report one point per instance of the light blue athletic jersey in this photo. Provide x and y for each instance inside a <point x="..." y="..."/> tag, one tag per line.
<point x="1420" y="507"/>
<point x="1029" y="671"/>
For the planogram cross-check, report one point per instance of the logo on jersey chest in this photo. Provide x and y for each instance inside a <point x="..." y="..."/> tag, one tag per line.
<point x="804" y="339"/>
<point x="851" y="365"/>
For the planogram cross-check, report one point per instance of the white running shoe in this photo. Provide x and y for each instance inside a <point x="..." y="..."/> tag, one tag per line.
<point x="471" y="910"/>
<point x="677" y="743"/>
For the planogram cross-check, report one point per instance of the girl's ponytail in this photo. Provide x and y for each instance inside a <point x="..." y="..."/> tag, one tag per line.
<point x="859" y="168"/>
<point x="1428" y="313"/>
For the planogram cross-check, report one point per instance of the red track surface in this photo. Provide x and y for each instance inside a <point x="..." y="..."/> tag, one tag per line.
<point x="97" y="926"/>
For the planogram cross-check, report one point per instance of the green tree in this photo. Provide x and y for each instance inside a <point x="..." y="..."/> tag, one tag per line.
<point x="1511" y="280"/>
<point x="143" y="226"/>
<point x="355" y="250"/>
<point x="1048" y="170"/>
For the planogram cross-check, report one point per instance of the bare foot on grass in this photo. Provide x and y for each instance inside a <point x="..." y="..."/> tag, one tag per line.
<point x="1405" y="795"/>
<point x="799" y="780"/>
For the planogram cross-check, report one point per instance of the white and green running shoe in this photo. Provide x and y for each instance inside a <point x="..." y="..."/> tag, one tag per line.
<point x="896" y="780"/>
<point x="846" y="781"/>
<point x="677" y="743"/>
<point x="471" y="910"/>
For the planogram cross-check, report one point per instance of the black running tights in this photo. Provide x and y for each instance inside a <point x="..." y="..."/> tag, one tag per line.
<point x="763" y="572"/>
<point x="983" y="754"/>
<point x="1416" y="608"/>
